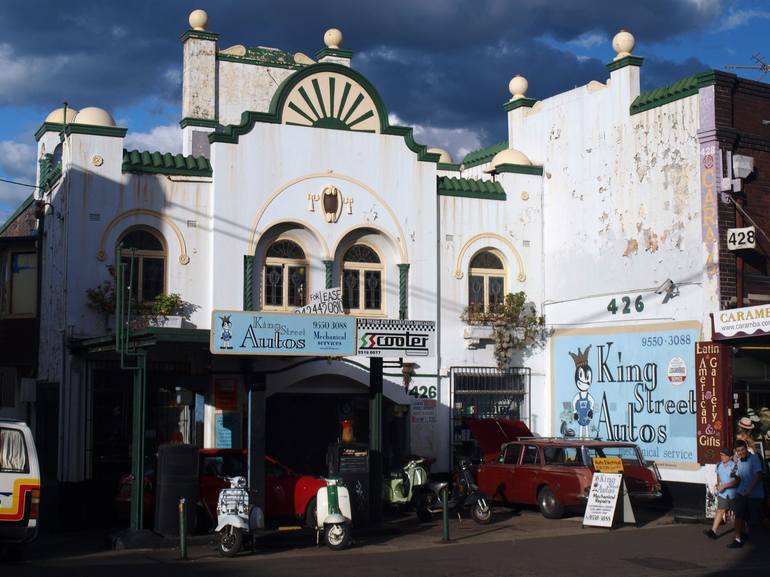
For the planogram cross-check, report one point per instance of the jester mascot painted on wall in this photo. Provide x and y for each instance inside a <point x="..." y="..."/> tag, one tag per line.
<point x="582" y="402"/>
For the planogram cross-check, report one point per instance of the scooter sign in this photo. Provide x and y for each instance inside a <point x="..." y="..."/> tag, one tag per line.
<point x="395" y="338"/>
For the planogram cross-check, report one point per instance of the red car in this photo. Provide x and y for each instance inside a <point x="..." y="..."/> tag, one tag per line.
<point x="552" y="473"/>
<point x="288" y="495"/>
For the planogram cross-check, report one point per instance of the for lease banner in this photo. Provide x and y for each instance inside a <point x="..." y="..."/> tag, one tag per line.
<point x="631" y="384"/>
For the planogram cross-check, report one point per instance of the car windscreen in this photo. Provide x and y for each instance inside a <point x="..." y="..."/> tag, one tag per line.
<point x="628" y="455"/>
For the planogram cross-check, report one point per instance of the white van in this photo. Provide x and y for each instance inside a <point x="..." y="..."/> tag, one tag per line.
<point x="19" y="487"/>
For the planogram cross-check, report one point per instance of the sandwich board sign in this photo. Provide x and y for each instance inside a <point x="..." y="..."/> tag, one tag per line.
<point x="602" y="508"/>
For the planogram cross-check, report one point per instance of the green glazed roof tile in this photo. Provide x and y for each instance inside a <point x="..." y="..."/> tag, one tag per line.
<point x="483" y="155"/>
<point x="470" y="188"/>
<point x="262" y="55"/>
<point x="165" y="163"/>
<point x="679" y="89"/>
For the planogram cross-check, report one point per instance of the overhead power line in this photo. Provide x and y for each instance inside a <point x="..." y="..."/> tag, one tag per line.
<point x="19" y="183"/>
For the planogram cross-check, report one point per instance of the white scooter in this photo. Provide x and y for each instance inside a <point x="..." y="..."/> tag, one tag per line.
<point x="235" y="518"/>
<point x="333" y="515"/>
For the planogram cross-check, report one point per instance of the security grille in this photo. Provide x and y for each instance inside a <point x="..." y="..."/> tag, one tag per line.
<point x="486" y="393"/>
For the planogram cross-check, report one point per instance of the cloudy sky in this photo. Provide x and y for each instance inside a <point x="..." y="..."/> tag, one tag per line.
<point x="441" y="66"/>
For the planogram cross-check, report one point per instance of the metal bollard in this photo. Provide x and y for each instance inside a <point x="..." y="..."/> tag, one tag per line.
<point x="445" y="513"/>
<point x="183" y="527"/>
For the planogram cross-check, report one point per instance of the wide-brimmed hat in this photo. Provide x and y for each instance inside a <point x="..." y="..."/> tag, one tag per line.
<point x="745" y="423"/>
<point x="764" y="410"/>
<point x="767" y="435"/>
<point x="754" y="418"/>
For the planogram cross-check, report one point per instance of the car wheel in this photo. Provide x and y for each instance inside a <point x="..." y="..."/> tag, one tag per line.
<point x="481" y="512"/>
<point x="310" y="514"/>
<point x="549" y="504"/>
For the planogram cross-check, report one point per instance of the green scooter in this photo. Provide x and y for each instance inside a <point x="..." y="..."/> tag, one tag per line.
<point x="408" y="485"/>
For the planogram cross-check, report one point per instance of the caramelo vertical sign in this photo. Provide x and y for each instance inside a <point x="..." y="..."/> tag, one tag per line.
<point x="712" y="370"/>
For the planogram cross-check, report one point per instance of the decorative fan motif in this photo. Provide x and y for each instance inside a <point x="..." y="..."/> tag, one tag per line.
<point x="330" y="100"/>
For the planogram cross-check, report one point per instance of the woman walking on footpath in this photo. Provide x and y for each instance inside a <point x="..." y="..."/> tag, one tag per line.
<point x="726" y="486"/>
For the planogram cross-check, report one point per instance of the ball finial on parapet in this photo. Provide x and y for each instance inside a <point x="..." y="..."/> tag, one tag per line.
<point x="333" y="38"/>
<point x="198" y="19"/>
<point x="623" y="43"/>
<point x="518" y="87"/>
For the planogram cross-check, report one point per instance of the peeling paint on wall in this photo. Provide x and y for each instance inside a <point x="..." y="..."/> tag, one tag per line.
<point x="632" y="247"/>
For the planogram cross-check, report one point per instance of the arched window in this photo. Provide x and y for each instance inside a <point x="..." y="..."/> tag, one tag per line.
<point x="284" y="276"/>
<point x="486" y="281"/>
<point x="146" y="249"/>
<point x="362" y="280"/>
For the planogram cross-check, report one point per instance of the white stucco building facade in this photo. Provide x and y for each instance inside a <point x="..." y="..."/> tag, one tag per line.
<point x="596" y="200"/>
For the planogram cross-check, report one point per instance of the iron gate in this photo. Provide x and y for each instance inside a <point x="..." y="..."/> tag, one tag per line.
<point x="486" y="393"/>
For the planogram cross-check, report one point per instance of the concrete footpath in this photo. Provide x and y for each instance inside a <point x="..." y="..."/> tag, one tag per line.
<point x="525" y="544"/>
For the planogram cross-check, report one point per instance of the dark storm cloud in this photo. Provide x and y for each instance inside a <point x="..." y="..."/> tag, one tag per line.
<point x="445" y="62"/>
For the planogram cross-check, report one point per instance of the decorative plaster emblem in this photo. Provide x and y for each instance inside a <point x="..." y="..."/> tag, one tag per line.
<point x="524" y="195"/>
<point x="522" y="277"/>
<point x="331" y="100"/>
<point x="332" y="201"/>
<point x="97" y="160"/>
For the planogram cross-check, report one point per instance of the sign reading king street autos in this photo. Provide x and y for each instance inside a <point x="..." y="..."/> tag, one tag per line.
<point x="743" y="322"/>
<point x="634" y="383"/>
<point x="255" y="333"/>
<point x="396" y="338"/>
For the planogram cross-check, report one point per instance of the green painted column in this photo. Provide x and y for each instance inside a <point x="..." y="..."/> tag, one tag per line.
<point x="137" y="442"/>
<point x="403" y="291"/>
<point x="375" y="438"/>
<point x="257" y="432"/>
<point x="329" y="264"/>
<point x="248" y="282"/>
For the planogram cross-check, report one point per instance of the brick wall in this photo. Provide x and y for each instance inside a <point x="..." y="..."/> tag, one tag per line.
<point x="742" y="106"/>
<point x="25" y="224"/>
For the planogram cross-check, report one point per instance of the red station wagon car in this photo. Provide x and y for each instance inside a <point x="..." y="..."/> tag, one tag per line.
<point x="554" y="473"/>
<point x="288" y="495"/>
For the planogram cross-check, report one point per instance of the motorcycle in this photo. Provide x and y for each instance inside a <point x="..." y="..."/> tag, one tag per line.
<point x="406" y="485"/>
<point x="237" y="521"/>
<point x="333" y="515"/>
<point x="462" y="493"/>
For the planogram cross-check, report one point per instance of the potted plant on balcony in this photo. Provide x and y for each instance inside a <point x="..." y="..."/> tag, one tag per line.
<point x="514" y="325"/>
<point x="168" y="311"/>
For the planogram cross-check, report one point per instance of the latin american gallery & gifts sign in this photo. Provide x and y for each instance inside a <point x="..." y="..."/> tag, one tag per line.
<point x="713" y="371"/>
